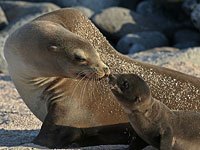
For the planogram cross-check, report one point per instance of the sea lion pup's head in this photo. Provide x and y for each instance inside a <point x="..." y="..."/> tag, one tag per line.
<point x="131" y="91"/>
<point x="52" y="50"/>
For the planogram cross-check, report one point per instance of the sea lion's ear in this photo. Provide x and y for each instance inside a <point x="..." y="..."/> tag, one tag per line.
<point x="53" y="48"/>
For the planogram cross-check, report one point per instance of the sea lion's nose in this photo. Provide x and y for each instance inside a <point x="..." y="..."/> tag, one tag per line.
<point x="106" y="70"/>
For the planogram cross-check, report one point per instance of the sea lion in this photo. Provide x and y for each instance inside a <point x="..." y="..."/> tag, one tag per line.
<point x="152" y="120"/>
<point x="83" y="110"/>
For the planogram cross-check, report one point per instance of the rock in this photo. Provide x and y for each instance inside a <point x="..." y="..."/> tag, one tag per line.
<point x="195" y="16"/>
<point x="24" y="12"/>
<point x="95" y="5"/>
<point x="146" y="7"/>
<point x="172" y="8"/>
<point x="186" y="35"/>
<point x="86" y="11"/>
<point x="132" y="43"/>
<point x="130" y="4"/>
<point x="189" y="5"/>
<point x="116" y="22"/>
<point x="3" y="19"/>
<point x="186" y="38"/>
<point x="14" y="10"/>
<point x="185" y="45"/>
<point x="136" y="48"/>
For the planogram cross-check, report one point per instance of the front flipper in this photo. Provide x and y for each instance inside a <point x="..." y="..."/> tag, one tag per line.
<point x="56" y="136"/>
<point x="137" y="143"/>
<point x="166" y="138"/>
<point x="53" y="135"/>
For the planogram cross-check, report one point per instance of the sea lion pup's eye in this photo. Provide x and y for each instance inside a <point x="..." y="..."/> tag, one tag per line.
<point x="125" y="85"/>
<point x="79" y="58"/>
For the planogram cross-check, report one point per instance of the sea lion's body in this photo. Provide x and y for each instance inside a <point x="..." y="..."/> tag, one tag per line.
<point x="60" y="101"/>
<point x="152" y="120"/>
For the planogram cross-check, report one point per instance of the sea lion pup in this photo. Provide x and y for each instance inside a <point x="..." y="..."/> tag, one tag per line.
<point x="152" y="120"/>
<point x="82" y="111"/>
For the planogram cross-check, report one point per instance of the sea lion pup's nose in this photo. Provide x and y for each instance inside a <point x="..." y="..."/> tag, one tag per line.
<point x="111" y="78"/>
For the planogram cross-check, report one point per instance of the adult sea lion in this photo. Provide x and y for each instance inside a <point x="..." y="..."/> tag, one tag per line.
<point x="152" y="120"/>
<point x="83" y="111"/>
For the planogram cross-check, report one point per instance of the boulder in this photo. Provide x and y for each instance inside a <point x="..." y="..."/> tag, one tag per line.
<point x="186" y="45"/>
<point x="186" y="38"/>
<point x="195" y="16"/>
<point x="116" y="22"/>
<point x="95" y="5"/>
<point x="146" y="7"/>
<point x="189" y="5"/>
<point x="24" y="12"/>
<point x="132" y="43"/>
<point x="130" y="4"/>
<point x="172" y="8"/>
<point x="187" y="35"/>
<point x="14" y="10"/>
<point x="86" y="11"/>
<point x="3" y="19"/>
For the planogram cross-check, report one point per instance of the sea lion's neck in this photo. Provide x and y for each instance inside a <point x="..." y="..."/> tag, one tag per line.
<point x="147" y="113"/>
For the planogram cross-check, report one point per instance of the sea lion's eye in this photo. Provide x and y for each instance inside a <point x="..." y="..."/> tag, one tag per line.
<point x="125" y="85"/>
<point x="79" y="58"/>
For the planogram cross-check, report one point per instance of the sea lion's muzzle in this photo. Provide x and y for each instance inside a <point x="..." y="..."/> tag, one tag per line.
<point x="106" y="71"/>
<point x="113" y="83"/>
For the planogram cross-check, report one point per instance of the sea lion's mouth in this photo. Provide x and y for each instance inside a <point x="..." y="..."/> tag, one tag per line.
<point x="113" y="84"/>
<point x="91" y="75"/>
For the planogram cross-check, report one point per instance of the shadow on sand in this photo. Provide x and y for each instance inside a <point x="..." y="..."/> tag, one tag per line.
<point x="10" y="138"/>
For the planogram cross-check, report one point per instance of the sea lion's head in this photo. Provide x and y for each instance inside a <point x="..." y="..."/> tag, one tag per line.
<point x="130" y="90"/>
<point x="80" y="59"/>
<point x="52" y="50"/>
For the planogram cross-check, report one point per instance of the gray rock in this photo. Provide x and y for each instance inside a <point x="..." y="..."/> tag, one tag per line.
<point x="95" y="5"/>
<point x="130" y="4"/>
<point x="146" y="7"/>
<point x="117" y="22"/>
<point x="136" y="48"/>
<point x="189" y="5"/>
<point x="3" y="19"/>
<point x="14" y="10"/>
<point x="132" y="43"/>
<point x="185" y="45"/>
<point x="186" y="38"/>
<point x="19" y="20"/>
<point x="195" y="16"/>
<point x="86" y="11"/>
<point x="186" y="35"/>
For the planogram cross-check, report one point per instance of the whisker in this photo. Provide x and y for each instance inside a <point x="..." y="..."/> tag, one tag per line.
<point x="74" y="90"/>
